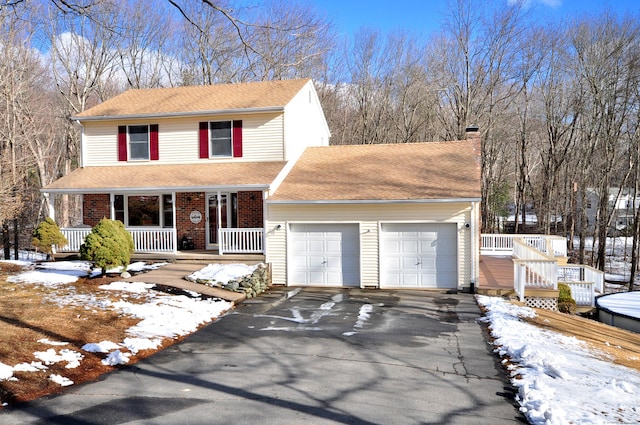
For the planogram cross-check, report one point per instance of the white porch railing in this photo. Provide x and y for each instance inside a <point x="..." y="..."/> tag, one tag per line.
<point x="144" y="239"/>
<point x="75" y="238"/>
<point x="500" y="244"/>
<point x="241" y="241"/>
<point x="153" y="240"/>
<point x="585" y="283"/>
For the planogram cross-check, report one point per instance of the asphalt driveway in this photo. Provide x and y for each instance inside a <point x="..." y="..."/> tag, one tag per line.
<point x="312" y="356"/>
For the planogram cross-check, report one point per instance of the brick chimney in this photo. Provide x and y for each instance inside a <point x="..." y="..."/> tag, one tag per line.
<point x="473" y="133"/>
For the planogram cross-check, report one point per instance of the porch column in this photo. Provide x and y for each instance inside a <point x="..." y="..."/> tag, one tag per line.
<point x="174" y="237"/>
<point x="218" y="221"/>
<point x="52" y="208"/>
<point x="265" y="195"/>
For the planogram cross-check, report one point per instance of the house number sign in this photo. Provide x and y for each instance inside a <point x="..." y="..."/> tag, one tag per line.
<point x="196" y="217"/>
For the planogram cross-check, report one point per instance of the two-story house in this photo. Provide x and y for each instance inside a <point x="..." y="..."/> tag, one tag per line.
<point x="191" y="167"/>
<point x="246" y="168"/>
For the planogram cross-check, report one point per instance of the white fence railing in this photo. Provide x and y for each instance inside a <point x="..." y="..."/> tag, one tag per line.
<point x="585" y="282"/>
<point x="241" y="241"/>
<point x="144" y="239"/>
<point x="501" y="244"/>
<point x="232" y="241"/>
<point x="533" y="267"/>
<point x="533" y="274"/>
<point x="75" y="238"/>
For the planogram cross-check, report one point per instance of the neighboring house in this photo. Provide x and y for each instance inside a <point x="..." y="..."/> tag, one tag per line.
<point x="190" y="167"/>
<point x="246" y="168"/>
<point x="388" y="216"/>
<point x="621" y="203"/>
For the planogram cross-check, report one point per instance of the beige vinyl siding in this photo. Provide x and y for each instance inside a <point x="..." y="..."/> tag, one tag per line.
<point x="370" y="217"/>
<point x="276" y="251"/>
<point x="305" y="123"/>
<point x="262" y="139"/>
<point x="369" y="248"/>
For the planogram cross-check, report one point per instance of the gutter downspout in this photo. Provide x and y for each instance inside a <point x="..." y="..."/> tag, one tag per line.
<point x="474" y="255"/>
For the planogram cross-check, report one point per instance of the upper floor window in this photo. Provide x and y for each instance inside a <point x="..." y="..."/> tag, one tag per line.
<point x="138" y="142"/>
<point x="221" y="139"/>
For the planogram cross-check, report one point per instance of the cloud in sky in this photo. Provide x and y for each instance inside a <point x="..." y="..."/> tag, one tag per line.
<point x="528" y="3"/>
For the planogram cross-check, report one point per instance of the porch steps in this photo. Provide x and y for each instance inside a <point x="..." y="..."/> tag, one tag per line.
<point x="206" y="257"/>
<point x="495" y="291"/>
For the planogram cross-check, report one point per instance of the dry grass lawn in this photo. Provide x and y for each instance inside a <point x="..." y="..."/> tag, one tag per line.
<point x="28" y="314"/>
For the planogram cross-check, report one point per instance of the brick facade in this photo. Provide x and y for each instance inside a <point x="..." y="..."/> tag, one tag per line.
<point x="250" y="210"/>
<point x="95" y="207"/>
<point x="250" y="213"/>
<point x="185" y="204"/>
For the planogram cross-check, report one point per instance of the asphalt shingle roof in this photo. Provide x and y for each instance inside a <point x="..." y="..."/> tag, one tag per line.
<point x="194" y="99"/>
<point x="412" y="171"/>
<point x="175" y="176"/>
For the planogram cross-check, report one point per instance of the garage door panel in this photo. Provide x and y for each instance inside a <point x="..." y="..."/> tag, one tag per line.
<point x="410" y="247"/>
<point x="426" y="258"/>
<point x="331" y="254"/>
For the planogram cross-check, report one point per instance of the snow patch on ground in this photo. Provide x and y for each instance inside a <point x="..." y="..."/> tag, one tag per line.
<point x="560" y="380"/>
<point x="162" y="315"/>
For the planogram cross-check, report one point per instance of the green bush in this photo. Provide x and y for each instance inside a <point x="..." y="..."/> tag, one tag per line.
<point x="566" y="303"/>
<point x="47" y="235"/>
<point x="108" y="245"/>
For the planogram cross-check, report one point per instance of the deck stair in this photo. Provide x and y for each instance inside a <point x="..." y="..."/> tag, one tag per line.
<point x="532" y="266"/>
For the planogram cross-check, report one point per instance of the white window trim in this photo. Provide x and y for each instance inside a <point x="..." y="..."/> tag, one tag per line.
<point x="211" y="156"/>
<point x="129" y="150"/>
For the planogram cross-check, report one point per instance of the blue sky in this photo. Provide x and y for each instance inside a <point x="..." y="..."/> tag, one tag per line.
<point x="424" y="16"/>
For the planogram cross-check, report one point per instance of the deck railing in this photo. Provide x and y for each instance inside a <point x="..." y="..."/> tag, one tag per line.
<point x="500" y="244"/>
<point x="585" y="283"/>
<point x="533" y="274"/>
<point x="535" y="266"/>
<point x="241" y="241"/>
<point x="144" y="239"/>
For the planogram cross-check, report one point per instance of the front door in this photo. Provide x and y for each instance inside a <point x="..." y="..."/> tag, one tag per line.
<point x="221" y="215"/>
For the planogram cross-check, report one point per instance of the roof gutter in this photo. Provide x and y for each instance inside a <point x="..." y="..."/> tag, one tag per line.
<point x="85" y="190"/>
<point x="180" y="114"/>
<point x="372" y="201"/>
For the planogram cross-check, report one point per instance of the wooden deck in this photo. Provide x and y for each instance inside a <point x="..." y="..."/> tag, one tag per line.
<point x="496" y="275"/>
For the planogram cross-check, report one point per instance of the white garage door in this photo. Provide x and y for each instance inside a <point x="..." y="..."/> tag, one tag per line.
<point x="324" y="255"/>
<point x="419" y="255"/>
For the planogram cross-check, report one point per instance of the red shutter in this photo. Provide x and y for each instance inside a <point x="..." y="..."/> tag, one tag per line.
<point x="153" y="142"/>
<point x="237" y="139"/>
<point x="122" y="143"/>
<point x="204" y="140"/>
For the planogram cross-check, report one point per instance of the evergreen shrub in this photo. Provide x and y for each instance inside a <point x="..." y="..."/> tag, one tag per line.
<point x="108" y="245"/>
<point x="47" y="235"/>
<point x="566" y="303"/>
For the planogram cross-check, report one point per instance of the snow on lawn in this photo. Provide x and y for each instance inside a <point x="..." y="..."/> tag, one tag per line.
<point x="221" y="273"/>
<point x="162" y="315"/>
<point x="560" y="380"/>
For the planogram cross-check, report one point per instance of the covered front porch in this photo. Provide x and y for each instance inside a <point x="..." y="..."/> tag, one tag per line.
<point x="178" y="224"/>
<point x="212" y="207"/>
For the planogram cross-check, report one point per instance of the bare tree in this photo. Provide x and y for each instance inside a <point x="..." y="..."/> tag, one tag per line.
<point x="608" y="65"/>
